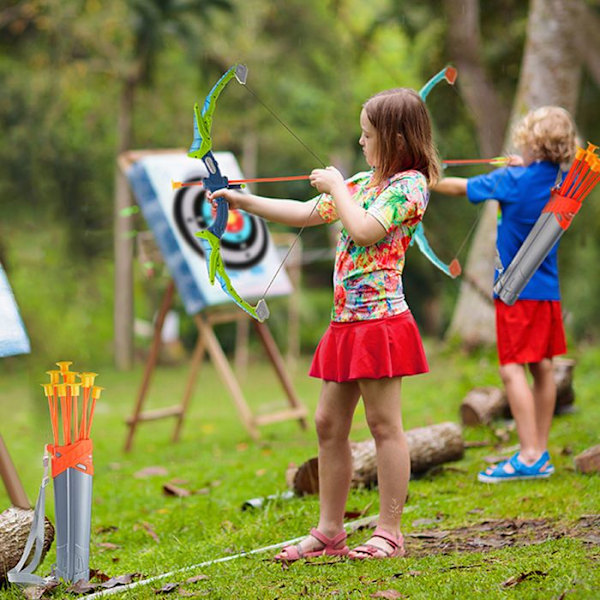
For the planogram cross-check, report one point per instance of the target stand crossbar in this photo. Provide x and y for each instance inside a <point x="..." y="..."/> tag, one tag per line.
<point x="207" y="343"/>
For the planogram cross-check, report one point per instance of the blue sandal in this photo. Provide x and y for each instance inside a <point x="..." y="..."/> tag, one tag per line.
<point x="521" y="470"/>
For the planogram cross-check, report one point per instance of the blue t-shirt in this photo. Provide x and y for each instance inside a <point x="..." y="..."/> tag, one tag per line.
<point x="522" y="193"/>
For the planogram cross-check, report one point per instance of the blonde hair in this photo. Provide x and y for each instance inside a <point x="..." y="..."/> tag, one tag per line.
<point x="547" y="133"/>
<point x="404" y="136"/>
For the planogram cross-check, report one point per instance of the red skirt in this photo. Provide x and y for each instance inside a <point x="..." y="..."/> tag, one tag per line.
<point x="529" y="331"/>
<point x="370" y="349"/>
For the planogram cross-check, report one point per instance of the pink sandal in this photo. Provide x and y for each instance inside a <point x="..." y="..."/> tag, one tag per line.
<point x="331" y="547"/>
<point x="369" y="551"/>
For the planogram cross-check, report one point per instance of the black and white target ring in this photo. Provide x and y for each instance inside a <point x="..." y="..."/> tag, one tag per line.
<point x="245" y="240"/>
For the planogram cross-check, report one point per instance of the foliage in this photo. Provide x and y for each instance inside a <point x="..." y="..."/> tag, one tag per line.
<point x="217" y="461"/>
<point x="313" y="63"/>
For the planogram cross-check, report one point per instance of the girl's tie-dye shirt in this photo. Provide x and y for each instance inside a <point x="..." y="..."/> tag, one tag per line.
<point x="367" y="280"/>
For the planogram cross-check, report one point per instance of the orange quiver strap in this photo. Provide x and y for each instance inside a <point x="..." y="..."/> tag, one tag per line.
<point x="72" y="456"/>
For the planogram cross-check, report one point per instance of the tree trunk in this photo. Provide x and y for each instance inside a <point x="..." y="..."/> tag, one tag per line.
<point x="15" y="524"/>
<point x="473" y="318"/>
<point x="427" y="446"/>
<point x="550" y="74"/>
<point x="123" y="239"/>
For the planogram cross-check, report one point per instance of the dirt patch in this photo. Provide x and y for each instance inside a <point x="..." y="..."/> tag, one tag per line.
<point x="500" y="533"/>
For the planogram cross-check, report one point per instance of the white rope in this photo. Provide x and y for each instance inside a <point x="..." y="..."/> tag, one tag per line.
<point x="352" y="526"/>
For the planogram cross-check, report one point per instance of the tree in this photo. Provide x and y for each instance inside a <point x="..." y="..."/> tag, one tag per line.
<point x="550" y="74"/>
<point x="153" y="22"/>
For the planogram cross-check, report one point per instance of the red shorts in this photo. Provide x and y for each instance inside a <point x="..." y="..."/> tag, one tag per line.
<point x="370" y="349"/>
<point x="529" y="331"/>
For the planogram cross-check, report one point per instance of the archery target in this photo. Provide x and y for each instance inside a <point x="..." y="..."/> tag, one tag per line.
<point x="251" y="259"/>
<point x="245" y="240"/>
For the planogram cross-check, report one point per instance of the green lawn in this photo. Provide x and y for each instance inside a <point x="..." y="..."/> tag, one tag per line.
<point x="464" y="539"/>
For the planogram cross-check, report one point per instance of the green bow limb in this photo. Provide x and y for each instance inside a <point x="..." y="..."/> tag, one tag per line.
<point x="216" y="269"/>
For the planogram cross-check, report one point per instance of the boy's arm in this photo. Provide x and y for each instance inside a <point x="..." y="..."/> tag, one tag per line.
<point x="451" y="186"/>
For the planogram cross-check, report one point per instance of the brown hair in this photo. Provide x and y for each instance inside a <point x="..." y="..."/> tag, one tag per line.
<point x="403" y="128"/>
<point x="547" y="133"/>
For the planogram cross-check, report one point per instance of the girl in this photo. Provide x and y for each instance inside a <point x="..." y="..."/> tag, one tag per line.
<point x="373" y="340"/>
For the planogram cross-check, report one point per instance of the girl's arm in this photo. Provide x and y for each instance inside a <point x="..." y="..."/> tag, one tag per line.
<point x="363" y="228"/>
<point x="451" y="186"/>
<point x="287" y="212"/>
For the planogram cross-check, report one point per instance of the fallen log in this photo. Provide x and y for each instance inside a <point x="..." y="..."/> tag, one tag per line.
<point x="482" y="405"/>
<point x="15" y="524"/>
<point x="427" y="446"/>
<point x="563" y="377"/>
<point x="589" y="460"/>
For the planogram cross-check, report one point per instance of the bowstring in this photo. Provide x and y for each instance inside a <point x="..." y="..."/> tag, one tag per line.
<point x="481" y="205"/>
<point x="314" y="155"/>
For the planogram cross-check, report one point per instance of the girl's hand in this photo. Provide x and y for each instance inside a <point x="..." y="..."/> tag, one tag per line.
<point x="234" y="198"/>
<point x="326" y="180"/>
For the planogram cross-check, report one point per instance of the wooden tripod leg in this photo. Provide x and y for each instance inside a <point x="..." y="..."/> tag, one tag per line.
<point x="12" y="483"/>
<point x="222" y="365"/>
<point x="150" y="363"/>
<point x="195" y="366"/>
<point x="277" y="361"/>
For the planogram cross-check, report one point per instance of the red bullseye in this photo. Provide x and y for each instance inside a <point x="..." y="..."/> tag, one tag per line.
<point x="235" y="222"/>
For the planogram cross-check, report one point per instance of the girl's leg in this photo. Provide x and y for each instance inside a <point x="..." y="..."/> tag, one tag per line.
<point x="383" y="412"/>
<point x="333" y="419"/>
<point x="544" y="396"/>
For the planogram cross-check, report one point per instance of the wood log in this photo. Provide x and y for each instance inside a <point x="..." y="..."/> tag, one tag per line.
<point x="484" y="404"/>
<point x="563" y="377"/>
<point x="427" y="446"/>
<point x="589" y="460"/>
<point x="15" y="524"/>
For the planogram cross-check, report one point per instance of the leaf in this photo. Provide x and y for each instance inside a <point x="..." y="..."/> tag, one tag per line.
<point x="388" y="594"/>
<point x="106" y="529"/>
<point x="98" y="575"/>
<point x="169" y="489"/>
<point x="121" y="580"/>
<point x="82" y="587"/>
<point x="150" y="472"/>
<point x="148" y="529"/>
<point x="512" y="581"/>
<point x="107" y="546"/>
<point x="196" y="578"/>
<point x="35" y="592"/>
<point x="168" y="588"/>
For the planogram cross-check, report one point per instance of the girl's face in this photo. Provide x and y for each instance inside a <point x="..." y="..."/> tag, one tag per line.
<point x="368" y="140"/>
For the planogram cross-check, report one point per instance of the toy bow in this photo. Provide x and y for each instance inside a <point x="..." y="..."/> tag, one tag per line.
<point x="453" y="269"/>
<point x="211" y="237"/>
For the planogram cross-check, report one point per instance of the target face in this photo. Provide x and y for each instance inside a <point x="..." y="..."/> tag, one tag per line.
<point x="245" y="240"/>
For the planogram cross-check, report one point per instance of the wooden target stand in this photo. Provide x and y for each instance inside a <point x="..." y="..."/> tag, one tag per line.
<point x="11" y="480"/>
<point x="207" y="343"/>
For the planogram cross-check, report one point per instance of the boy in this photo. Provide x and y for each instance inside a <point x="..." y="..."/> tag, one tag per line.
<point x="531" y="331"/>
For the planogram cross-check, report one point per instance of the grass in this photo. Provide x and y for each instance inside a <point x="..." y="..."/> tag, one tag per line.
<point x="547" y="551"/>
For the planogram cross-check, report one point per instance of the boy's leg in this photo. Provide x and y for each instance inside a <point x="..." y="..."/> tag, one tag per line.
<point x="383" y="412"/>
<point x="523" y="409"/>
<point x="333" y="418"/>
<point x="544" y="396"/>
